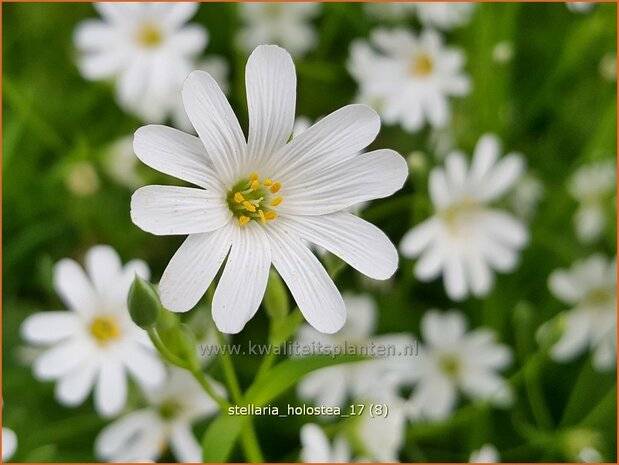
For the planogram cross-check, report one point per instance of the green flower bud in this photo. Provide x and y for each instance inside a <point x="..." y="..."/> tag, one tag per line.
<point x="143" y="302"/>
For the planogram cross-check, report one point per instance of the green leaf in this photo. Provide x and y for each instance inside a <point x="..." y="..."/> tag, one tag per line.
<point x="285" y="375"/>
<point x="219" y="439"/>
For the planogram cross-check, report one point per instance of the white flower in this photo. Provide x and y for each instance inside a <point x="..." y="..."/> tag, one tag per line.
<point x="590" y="455"/>
<point x="285" y="24"/>
<point x="260" y="201"/>
<point x="146" y="48"/>
<point x="409" y="78"/>
<point x="525" y="196"/>
<point x="94" y="344"/>
<point x="503" y="51"/>
<point x="9" y="444"/>
<point x="592" y="185"/>
<point x="486" y="454"/>
<point x="382" y="437"/>
<point x="82" y="179"/>
<point x="120" y="163"/>
<point x="580" y="7"/>
<point x="444" y="15"/>
<point x="334" y="386"/>
<point x="144" y="434"/>
<point x="453" y="360"/>
<point x="315" y="446"/>
<point x="589" y="287"/>
<point x="467" y="238"/>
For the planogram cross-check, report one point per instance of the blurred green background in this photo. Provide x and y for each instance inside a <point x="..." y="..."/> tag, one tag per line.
<point x="548" y="102"/>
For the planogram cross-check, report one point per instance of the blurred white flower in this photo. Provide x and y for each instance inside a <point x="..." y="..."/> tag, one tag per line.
<point x="525" y="196"/>
<point x="146" y="433"/>
<point x="82" y="179"/>
<point x="608" y="66"/>
<point x="589" y="286"/>
<point x="147" y="48"/>
<point x="382" y="437"/>
<point x="389" y="11"/>
<point x="334" y="386"/>
<point x="121" y="163"/>
<point x="409" y="78"/>
<point x="285" y="24"/>
<point x="467" y="239"/>
<point x="262" y="200"/>
<point x="592" y="186"/>
<point x="444" y="15"/>
<point x="316" y="448"/>
<point x="580" y="7"/>
<point x="589" y="455"/>
<point x="9" y="444"/>
<point x="503" y="52"/>
<point x="486" y="454"/>
<point x="452" y="359"/>
<point x="94" y="344"/>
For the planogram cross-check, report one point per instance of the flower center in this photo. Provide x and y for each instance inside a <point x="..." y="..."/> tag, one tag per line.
<point x="600" y="297"/>
<point x="453" y="215"/>
<point x="450" y="365"/>
<point x="422" y="65"/>
<point x="169" y="409"/>
<point x="149" y="36"/>
<point x="104" y="329"/>
<point x="252" y="199"/>
<point x="273" y="10"/>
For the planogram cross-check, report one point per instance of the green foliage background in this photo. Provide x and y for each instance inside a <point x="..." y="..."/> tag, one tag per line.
<point x="549" y="103"/>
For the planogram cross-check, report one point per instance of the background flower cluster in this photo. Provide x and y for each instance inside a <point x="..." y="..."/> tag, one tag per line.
<point x="506" y="228"/>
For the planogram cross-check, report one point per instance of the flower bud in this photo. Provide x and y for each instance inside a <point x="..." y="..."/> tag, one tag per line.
<point x="143" y="302"/>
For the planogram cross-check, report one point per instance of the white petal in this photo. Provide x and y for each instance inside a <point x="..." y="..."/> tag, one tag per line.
<point x="439" y="189"/>
<point x="104" y="267"/>
<point x="430" y="263"/>
<point x="574" y="339"/>
<point x="312" y="288"/>
<point x="359" y="243"/>
<point x="143" y="364"/>
<point x="499" y="256"/>
<point x="479" y="273"/>
<point x="193" y="267"/>
<point x="436" y="397"/>
<point x="173" y="152"/>
<point x="62" y="358"/>
<point x="50" y="327"/>
<point x="418" y="238"/>
<point x="271" y="85"/>
<point x="176" y="14"/>
<point x="332" y="140"/>
<point x="184" y="444"/>
<point x="505" y="228"/>
<point x="74" y="288"/>
<point x="215" y="122"/>
<point x="244" y="280"/>
<point x="442" y="329"/>
<point x="121" y="13"/>
<point x="172" y="210"/>
<point x="563" y="286"/>
<point x="73" y="388"/>
<point x="370" y="176"/>
<point x="454" y="276"/>
<point x="94" y="35"/>
<point x="117" y="436"/>
<point x="9" y="444"/>
<point x="481" y="384"/>
<point x="456" y="169"/>
<point x="485" y="156"/>
<point x="102" y="65"/>
<point x="189" y="41"/>
<point x="502" y="177"/>
<point x="315" y="445"/>
<point x="111" y="388"/>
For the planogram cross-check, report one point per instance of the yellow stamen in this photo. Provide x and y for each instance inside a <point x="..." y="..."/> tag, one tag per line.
<point x="275" y="187"/>
<point x="271" y="215"/>
<point x="104" y="329"/>
<point x="267" y="182"/>
<point x="238" y="197"/>
<point x="262" y="217"/>
<point x="243" y="220"/>
<point x="276" y="201"/>
<point x="422" y="65"/>
<point x="248" y="206"/>
<point x="253" y="177"/>
<point x="149" y="36"/>
<point x="255" y="185"/>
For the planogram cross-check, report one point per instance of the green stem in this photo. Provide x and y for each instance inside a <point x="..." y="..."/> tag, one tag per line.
<point x="209" y="389"/>
<point x="163" y="350"/>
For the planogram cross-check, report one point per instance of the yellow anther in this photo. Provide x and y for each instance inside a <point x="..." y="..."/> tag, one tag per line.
<point x="238" y="197"/>
<point x="249" y="207"/>
<point x="255" y="185"/>
<point x="243" y="220"/>
<point x="275" y="187"/>
<point x="262" y="217"/>
<point x="253" y="177"/>
<point x="267" y="182"/>
<point x="271" y="215"/>
<point x="276" y="201"/>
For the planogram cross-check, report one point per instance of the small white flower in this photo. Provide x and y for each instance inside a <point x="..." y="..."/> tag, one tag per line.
<point x="145" y="434"/>
<point x="9" y="444"/>
<point x="444" y="15"/>
<point x="315" y="446"/>
<point x="334" y="386"/>
<point x="608" y="67"/>
<point x="589" y="286"/>
<point x="503" y="52"/>
<point x="525" y="196"/>
<point x="382" y="437"/>
<point x="410" y="78"/>
<point x="467" y="238"/>
<point x="592" y="186"/>
<point x="580" y="7"/>
<point x="121" y="163"/>
<point x="486" y="454"/>
<point x="453" y="360"/>
<point x="146" y="48"/>
<point x="285" y="24"/>
<point x="82" y="179"/>
<point x="94" y="344"/>
<point x="260" y="201"/>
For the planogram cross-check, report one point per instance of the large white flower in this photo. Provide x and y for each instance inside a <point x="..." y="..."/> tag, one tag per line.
<point x="145" y="434"/>
<point x="590" y="287"/>
<point x="146" y="47"/>
<point x="408" y="78"/>
<point x="592" y="186"/>
<point x="259" y="202"/>
<point x="94" y="343"/>
<point x="316" y="448"/>
<point x="452" y="359"/>
<point x="285" y="24"/>
<point x="467" y="238"/>
<point x="334" y="386"/>
<point x="9" y="444"/>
